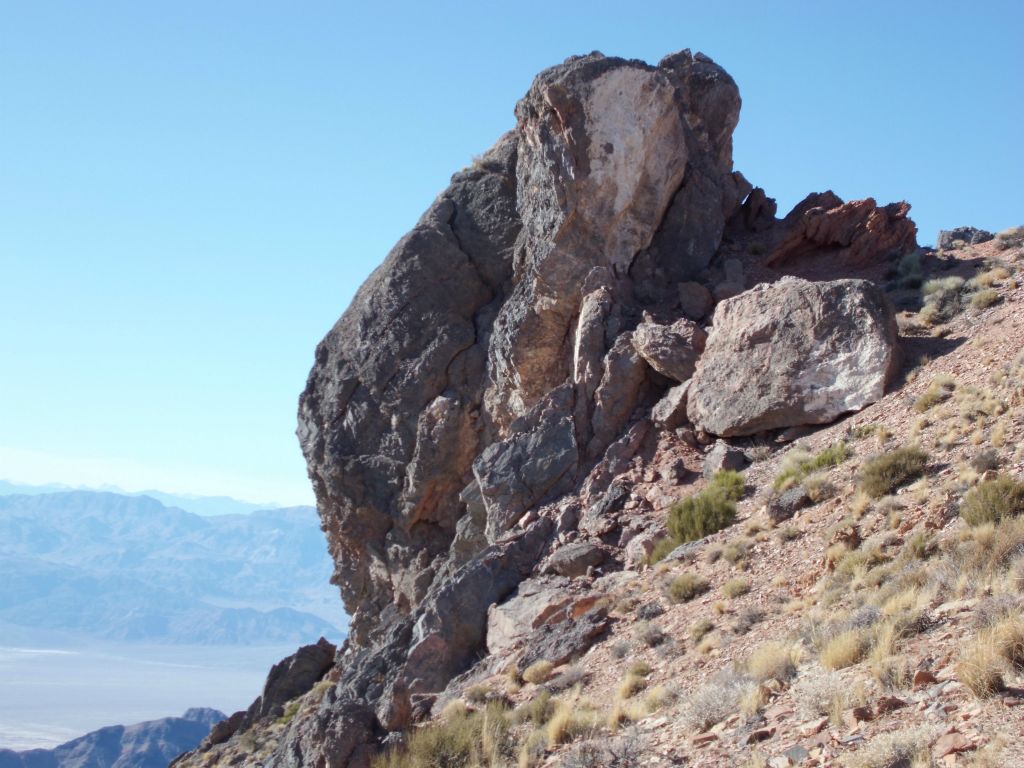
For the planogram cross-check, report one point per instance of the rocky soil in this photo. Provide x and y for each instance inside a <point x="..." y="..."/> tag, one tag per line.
<point x="581" y="331"/>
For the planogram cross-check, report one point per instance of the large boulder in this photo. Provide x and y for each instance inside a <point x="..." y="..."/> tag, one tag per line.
<point x="672" y="350"/>
<point x="948" y="238"/>
<point x="794" y="352"/>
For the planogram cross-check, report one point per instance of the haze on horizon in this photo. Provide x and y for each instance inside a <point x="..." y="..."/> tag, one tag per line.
<point x="194" y="192"/>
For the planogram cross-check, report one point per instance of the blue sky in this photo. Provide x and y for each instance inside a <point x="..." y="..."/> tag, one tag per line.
<point x="191" y="192"/>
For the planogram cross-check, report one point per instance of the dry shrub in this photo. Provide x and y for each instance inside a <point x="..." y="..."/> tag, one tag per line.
<point x="845" y="649"/>
<point x="885" y="473"/>
<point x="773" y="660"/>
<point x="685" y="587"/>
<point x="992" y="501"/>
<point x="735" y="587"/>
<point x="538" y="672"/>
<point x="900" y="749"/>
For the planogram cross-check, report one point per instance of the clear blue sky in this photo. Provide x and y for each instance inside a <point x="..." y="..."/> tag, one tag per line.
<point x="190" y="192"/>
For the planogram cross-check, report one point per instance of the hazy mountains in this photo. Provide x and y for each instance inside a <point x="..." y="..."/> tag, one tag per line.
<point x="200" y="505"/>
<point x="152" y="744"/>
<point x="128" y="568"/>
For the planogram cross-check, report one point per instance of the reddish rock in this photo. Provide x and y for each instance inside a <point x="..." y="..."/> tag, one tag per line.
<point x="813" y="726"/>
<point x="888" y="704"/>
<point x="950" y="743"/>
<point x="924" y="677"/>
<point x="761" y="734"/>
<point x="857" y="715"/>
<point x="853" y="235"/>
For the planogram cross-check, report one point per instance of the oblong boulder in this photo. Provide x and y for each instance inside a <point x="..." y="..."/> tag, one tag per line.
<point x="791" y="353"/>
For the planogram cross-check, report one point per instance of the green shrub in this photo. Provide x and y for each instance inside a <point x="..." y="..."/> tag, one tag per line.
<point x="661" y="549"/>
<point x="799" y="463"/>
<point x="685" y="587"/>
<point x="700" y="515"/>
<point x="729" y="483"/>
<point x="943" y="299"/>
<point x="885" y="473"/>
<point x="993" y="501"/>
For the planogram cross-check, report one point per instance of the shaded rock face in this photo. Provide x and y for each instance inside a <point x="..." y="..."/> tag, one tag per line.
<point x="488" y="362"/>
<point x="794" y="352"/>
<point x="468" y="420"/>
<point x="856" y="234"/>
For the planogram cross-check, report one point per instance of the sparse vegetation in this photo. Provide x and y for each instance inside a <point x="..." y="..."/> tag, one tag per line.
<point x="799" y="463"/>
<point x="985" y="298"/>
<point x="773" y="661"/>
<point x="885" y="473"/>
<point x="940" y="390"/>
<point x="845" y="649"/>
<point x="460" y="738"/>
<point x="538" y="672"/>
<point x="735" y="587"/>
<point x="685" y="587"/>
<point x="992" y="501"/>
<point x="710" y="510"/>
<point x="906" y="747"/>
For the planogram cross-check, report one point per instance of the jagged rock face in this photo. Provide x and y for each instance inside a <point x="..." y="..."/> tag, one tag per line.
<point x="443" y="372"/>
<point x="489" y="361"/>
<point x="791" y="353"/>
<point x="856" y="234"/>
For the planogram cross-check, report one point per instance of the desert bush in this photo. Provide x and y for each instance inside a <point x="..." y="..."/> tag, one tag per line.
<point x="649" y="634"/>
<point x="631" y="684"/>
<point x="985" y="298"/>
<point x="845" y="649"/>
<point x="461" y="739"/>
<point x="538" y="672"/>
<point x="773" y="660"/>
<point x="700" y="628"/>
<point x="820" y="693"/>
<point x="939" y="390"/>
<point x="567" y="678"/>
<point x="992" y="501"/>
<point x="715" y="701"/>
<point x="735" y="587"/>
<point x="571" y="719"/>
<point x="980" y="667"/>
<point x="943" y="299"/>
<point x="685" y="587"/>
<point x="700" y="515"/>
<point x="907" y="747"/>
<point x="798" y="463"/>
<point x="626" y="751"/>
<point x="885" y="473"/>
<point x="985" y="460"/>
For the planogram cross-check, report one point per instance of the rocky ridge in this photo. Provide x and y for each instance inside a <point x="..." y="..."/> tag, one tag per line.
<point x="497" y="425"/>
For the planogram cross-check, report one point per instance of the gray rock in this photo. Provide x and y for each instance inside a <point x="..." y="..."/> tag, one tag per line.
<point x="599" y="518"/>
<point x="292" y="677"/>
<point x="617" y="396"/>
<point x="671" y="350"/>
<point x="565" y="641"/>
<point x="670" y="410"/>
<point x="724" y="456"/>
<point x="575" y="559"/>
<point x="538" y="457"/>
<point x="969" y="235"/>
<point x="695" y="300"/>
<point x="791" y="353"/>
<point x="786" y="504"/>
<point x="536" y="602"/>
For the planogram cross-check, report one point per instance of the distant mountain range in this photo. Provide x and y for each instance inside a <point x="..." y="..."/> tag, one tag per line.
<point x="129" y="568"/>
<point x="152" y="744"/>
<point x="199" y="505"/>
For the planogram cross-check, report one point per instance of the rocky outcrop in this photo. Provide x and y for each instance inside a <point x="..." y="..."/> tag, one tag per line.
<point x="951" y="238"/>
<point x="794" y="352"/>
<point x="489" y="360"/>
<point x="474" y="422"/>
<point x="854" y="235"/>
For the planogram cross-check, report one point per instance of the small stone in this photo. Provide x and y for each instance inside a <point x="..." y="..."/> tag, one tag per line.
<point x="813" y="726"/>
<point x="857" y="715"/>
<point x="888" y="704"/>
<point x="796" y="754"/>
<point x="761" y="734"/>
<point x="1012" y="701"/>
<point x="703" y="739"/>
<point x="924" y="677"/>
<point x="950" y="743"/>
